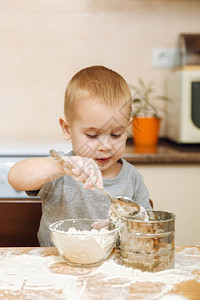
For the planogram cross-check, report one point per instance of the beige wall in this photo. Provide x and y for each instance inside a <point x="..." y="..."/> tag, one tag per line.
<point x="43" y="43"/>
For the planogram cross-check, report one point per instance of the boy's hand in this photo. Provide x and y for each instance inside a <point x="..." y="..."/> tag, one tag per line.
<point x="84" y="170"/>
<point x="100" y="224"/>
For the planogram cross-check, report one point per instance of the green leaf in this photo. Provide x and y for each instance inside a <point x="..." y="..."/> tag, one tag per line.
<point x="141" y="82"/>
<point x="143" y="99"/>
<point x="136" y="100"/>
<point x="164" y="98"/>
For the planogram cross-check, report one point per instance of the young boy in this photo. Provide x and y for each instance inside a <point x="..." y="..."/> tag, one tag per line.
<point x="97" y="113"/>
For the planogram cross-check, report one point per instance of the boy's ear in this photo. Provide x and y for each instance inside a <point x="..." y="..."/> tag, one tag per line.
<point x="65" y="128"/>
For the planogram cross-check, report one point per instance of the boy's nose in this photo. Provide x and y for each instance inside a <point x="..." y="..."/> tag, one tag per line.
<point x="105" y="143"/>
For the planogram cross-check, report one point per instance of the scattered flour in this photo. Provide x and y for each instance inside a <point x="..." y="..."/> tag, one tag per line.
<point x="173" y="297"/>
<point x="30" y="272"/>
<point x="22" y="273"/>
<point x="171" y="277"/>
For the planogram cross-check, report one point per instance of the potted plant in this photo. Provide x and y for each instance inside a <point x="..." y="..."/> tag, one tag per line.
<point x="146" y="115"/>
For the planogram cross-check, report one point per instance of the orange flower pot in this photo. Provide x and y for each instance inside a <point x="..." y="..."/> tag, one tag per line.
<point x="145" y="131"/>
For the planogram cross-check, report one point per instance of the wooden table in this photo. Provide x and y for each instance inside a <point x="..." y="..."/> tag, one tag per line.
<point x="40" y="273"/>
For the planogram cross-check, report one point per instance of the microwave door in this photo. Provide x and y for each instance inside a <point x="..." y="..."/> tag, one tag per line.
<point x="195" y="103"/>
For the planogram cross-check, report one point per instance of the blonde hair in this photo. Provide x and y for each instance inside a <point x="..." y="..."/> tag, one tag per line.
<point x="100" y="83"/>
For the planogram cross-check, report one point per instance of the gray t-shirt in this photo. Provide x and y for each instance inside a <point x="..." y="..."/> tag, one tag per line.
<point x="65" y="198"/>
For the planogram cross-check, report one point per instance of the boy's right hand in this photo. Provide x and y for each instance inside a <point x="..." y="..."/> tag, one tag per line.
<point x="84" y="170"/>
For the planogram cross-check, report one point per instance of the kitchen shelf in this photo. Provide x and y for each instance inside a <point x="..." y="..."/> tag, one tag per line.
<point x="166" y="152"/>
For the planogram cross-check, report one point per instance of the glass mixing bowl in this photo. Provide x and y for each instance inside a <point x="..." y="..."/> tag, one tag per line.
<point x="84" y="242"/>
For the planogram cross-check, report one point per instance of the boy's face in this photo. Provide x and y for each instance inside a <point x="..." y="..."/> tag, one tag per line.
<point x="99" y="132"/>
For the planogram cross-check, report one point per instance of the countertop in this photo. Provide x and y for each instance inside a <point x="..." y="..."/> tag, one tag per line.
<point x="165" y="153"/>
<point x="40" y="273"/>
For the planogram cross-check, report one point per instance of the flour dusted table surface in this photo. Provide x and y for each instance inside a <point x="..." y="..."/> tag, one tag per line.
<point x="40" y="273"/>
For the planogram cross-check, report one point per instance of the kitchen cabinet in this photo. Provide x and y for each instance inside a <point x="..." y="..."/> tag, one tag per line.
<point x="176" y="188"/>
<point x="20" y="220"/>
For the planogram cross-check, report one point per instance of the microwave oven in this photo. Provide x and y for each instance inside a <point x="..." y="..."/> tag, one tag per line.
<point x="183" y="111"/>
